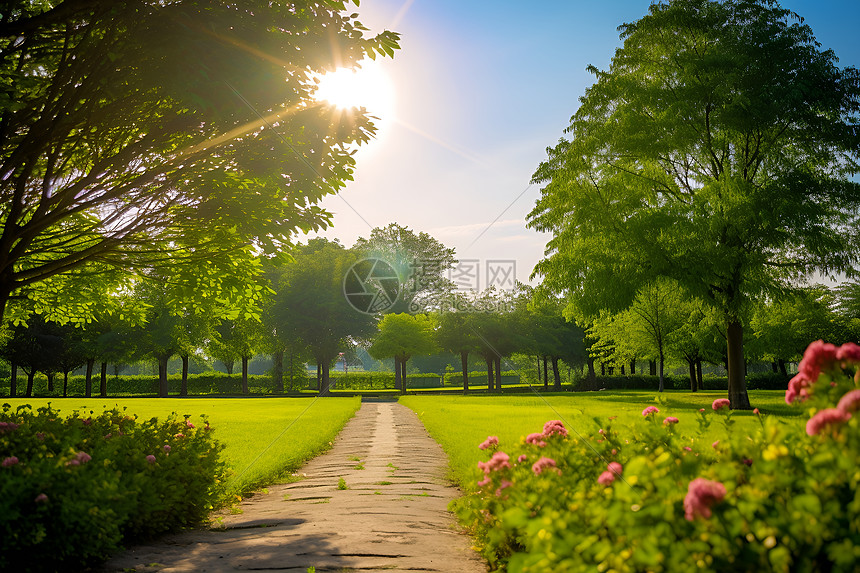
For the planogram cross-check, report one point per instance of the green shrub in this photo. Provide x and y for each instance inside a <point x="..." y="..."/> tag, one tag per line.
<point x="657" y="497"/>
<point x="480" y="378"/>
<point x="72" y="490"/>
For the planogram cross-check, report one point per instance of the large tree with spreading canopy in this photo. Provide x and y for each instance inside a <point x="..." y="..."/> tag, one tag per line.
<point x="718" y="149"/>
<point x="133" y="129"/>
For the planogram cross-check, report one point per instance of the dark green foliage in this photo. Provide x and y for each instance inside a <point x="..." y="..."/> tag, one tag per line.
<point x="84" y="485"/>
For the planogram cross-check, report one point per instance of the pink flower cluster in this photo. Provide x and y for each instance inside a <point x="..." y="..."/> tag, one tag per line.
<point x="554" y="427"/>
<point x="650" y="410"/>
<point x="489" y="442"/>
<point x="499" y="461"/>
<point x="820" y="356"/>
<point x="150" y="458"/>
<point x="542" y="464"/>
<point x="189" y="424"/>
<point x="613" y="470"/>
<point x="9" y="462"/>
<point x="536" y="439"/>
<point x="702" y="494"/>
<point x="825" y="418"/>
<point x="670" y="420"/>
<point x="721" y="403"/>
<point x="80" y="458"/>
<point x="8" y="426"/>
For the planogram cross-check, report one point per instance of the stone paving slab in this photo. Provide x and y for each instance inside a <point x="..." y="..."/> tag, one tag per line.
<point x="392" y="517"/>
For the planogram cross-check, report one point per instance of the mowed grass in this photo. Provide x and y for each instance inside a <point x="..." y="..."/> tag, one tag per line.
<point x="460" y="423"/>
<point x="265" y="439"/>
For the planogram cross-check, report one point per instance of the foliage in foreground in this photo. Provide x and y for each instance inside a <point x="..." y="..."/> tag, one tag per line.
<point x="73" y="489"/>
<point x="659" y="497"/>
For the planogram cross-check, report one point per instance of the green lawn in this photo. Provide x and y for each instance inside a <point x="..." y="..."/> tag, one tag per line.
<point x="264" y="438"/>
<point x="460" y="423"/>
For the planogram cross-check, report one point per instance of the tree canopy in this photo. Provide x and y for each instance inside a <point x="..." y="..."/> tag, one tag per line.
<point x="718" y="149"/>
<point x="129" y="130"/>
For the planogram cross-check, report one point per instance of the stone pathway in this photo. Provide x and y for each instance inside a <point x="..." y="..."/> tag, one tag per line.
<point x="392" y="516"/>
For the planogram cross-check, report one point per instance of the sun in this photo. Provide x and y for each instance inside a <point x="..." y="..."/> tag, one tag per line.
<point x="367" y="86"/>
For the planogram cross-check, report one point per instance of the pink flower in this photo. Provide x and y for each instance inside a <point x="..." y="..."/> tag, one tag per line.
<point x="8" y="426"/>
<point x="715" y="444"/>
<point x="189" y="424"/>
<point x="83" y="457"/>
<point x="669" y="420"/>
<point x="536" y="439"/>
<point x="702" y="494"/>
<point x="542" y="464"/>
<point x="179" y="435"/>
<point x="702" y="410"/>
<point x="797" y="387"/>
<point x="721" y="403"/>
<point x="819" y="356"/>
<point x="848" y="352"/>
<point x="485" y="481"/>
<point x="614" y="451"/>
<point x="756" y="412"/>
<point x="73" y="463"/>
<point x="522" y="458"/>
<point x="9" y="462"/>
<point x="41" y="498"/>
<point x="88" y="421"/>
<point x="688" y="448"/>
<point x="166" y="448"/>
<point x="747" y="461"/>
<point x="615" y="468"/>
<point x="498" y="461"/>
<point x="606" y="478"/>
<point x="850" y="401"/>
<point x="489" y="442"/>
<point x="554" y="427"/>
<point x="650" y="410"/>
<point x="150" y="458"/>
<point x="505" y="484"/>
<point x="107" y="436"/>
<point x="824" y="418"/>
<point x="40" y="436"/>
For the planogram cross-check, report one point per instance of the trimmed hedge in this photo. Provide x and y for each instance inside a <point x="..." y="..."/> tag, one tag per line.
<point x="761" y="381"/>
<point x="74" y="489"/>
<point x="480" y="378"/>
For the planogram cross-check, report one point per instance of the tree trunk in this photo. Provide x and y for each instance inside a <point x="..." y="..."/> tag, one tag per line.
<point x="591" y="378"/>
<point x="291" y="369"/>
<point x="693" y="385"/>
<point x="228" y="366"/>
<point x="162" y="376"/>
<point x="538" y="361"/>
<point x="489" y="362"/>
<point x="103" y="379"/>
<point x="652" y="367"/>
<point x="50" y="376"/>
<point x="781" y="365"/>
<point x="555" y="374"/>
<point x="632" y="366"/>
<point x="603" y="369"/>
<point x="774" y="367"/>
<point x="403" y="375"/>
<point x="30" y="375"/>
<point x="398" y="383"/>
<point x="699" y="382"/>
<point x="88" y="385"/>
<point x="661" y="371"/>
<point x="278" y="371"/>
<point x="183" y="388"/>
<point x="464" y="364"/>
<point x="325" y="389"/>
<point x="13" y="381"/>
<point x="545" y="375"/>
<point x="244" y="375"/>
<point x="319" y="376"/>
<point x="498" y="373"/>
<point x="65" y="383"/>
<point x="622" y="370"/>
<point x="738" y="397"/>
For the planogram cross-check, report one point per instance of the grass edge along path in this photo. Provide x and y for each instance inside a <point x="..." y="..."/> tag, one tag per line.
<point x="460" y="423"/>
<point x="265" y="440"/>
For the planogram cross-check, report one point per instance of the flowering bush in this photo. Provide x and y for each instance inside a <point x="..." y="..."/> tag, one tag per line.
<point x="659" y="497"/>
<point x="82" y="485"/>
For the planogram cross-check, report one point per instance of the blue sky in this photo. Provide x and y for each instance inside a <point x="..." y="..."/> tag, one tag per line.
<point x="481" y="90"/>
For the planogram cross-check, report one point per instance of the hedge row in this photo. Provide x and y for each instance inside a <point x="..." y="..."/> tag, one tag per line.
<point x="763" y="381"/>
<point x="480" y="378"/>
<point x="74" y="489"/>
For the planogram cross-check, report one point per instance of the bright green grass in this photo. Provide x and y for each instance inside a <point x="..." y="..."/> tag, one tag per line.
<point x="265" y="439"/>
<point x="460" y="423"/>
